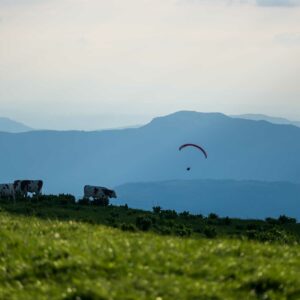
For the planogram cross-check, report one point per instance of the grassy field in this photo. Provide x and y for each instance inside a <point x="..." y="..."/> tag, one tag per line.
<point x="164" y="222"/>
<point x="71" y="253"/>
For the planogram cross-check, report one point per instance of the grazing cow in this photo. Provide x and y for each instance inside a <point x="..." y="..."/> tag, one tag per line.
<point x="7" y="191"/>
<point x="23" y="187"/>
<point x="98" y="192"/>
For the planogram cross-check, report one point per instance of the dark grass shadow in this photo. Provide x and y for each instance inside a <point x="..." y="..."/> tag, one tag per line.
<point x="163" y="222"/>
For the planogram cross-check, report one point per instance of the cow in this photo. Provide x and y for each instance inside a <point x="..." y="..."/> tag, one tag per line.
<point x="23" y="187"/>
<point x="7" y="191"/>
<point x="98" y="192"/>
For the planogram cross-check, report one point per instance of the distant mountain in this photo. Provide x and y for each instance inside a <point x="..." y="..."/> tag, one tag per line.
<point x="275" y="120"/>
<point x="8" y="125"/>
<point x="245" y="199"/>
<point x="237" y="149"/>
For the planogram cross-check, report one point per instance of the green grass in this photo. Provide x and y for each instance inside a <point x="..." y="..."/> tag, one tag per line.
<point x="68" y="254"/>
<point x="164" y="222"/>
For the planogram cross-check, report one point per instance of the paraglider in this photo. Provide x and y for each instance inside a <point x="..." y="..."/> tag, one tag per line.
<point x="195" y="146"/>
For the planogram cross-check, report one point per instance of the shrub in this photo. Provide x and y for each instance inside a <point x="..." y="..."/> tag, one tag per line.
<point x="168" y="223"/>
<point x="184" y="214"/>
<point x="156" y="209"/>
<point x="111" y="221"/>
<point x="227" y="221"/>
<point x="101" y="202"/>
<point x="199" y="229"/>
<point x="210" y="232"/>
<point x="286" y="220"/>
<point x="143" y="223"/>
<point x="168" y="214"/>
<point x="253" y="226"/>
<point x="128" y="227"/>
<point x="272" y="235"/>
<point x="272" y="221"/>
<point x="213" y="216"/>
<point x="66" y="199"/>
<point x="182" y="230"/>
<point x="87" y="219"/>
<point x="153" y="219"/>
<point x="239" y="227"/>
<point x="114" y="214"/>
<point x="84" y="201"/>
<point x="222" y="221"/>
<point x="211" y="222"/>
<point x="60" y="199"/>
<point x="164" y="230"/>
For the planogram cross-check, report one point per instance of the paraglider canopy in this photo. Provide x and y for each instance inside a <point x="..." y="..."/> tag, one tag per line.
<point x="195" y="146"/>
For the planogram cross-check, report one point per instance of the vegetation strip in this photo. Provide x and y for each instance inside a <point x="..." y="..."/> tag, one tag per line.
<point x="61" y="250"/>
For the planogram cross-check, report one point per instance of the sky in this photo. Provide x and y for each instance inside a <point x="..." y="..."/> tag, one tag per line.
<point x="92" y="64"/>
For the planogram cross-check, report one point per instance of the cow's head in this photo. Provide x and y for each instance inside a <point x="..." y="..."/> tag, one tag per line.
<point x="16" y="183"/>
<point x="40" y="185"/>
<point x="110" y="193"/>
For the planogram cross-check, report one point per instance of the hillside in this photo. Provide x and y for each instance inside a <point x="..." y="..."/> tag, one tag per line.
<point x="260" y="117"/>
<point x="50" y="258"/>
<point x="237" y="149"/>
<point x="243" y="199"/>
<point x="8" y="125"/>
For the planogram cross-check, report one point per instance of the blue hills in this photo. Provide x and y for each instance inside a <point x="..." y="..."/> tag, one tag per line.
<point x="260" y="117"/>
<point x="240" y="199"/>
<point x="238" y="149"/>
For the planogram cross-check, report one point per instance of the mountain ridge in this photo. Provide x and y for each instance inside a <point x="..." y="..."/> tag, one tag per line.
<point x="8" y="125"/>
<point x="262" y="117"/>
<point x="237" y="149"/>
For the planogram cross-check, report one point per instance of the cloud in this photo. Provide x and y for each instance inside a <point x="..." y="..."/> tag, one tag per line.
<point x="278" y="2"/>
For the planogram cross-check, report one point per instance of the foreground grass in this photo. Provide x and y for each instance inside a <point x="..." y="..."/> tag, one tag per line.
<point x="51" y="259"/>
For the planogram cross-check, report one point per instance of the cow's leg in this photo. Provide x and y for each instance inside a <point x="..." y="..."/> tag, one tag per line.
<point x="26" y="196"/>
<point x="38" y="194"/>
<point x="14" y="197"/>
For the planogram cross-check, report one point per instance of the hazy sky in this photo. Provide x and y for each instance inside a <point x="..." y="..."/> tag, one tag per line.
<point x="95" y="63"/>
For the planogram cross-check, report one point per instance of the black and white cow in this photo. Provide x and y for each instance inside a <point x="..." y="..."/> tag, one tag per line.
<point x="23" y="187"/>
<point x="7" y="190"/>
<point x="98" y="192"/>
